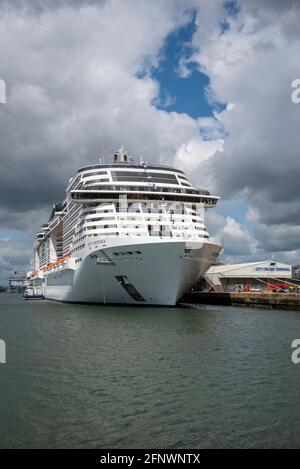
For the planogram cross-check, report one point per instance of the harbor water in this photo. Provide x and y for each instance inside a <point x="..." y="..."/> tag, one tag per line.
<point x="92" y="376"/>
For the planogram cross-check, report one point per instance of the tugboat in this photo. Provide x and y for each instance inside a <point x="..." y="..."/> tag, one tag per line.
<point x="17" y="282"/>
<point x="33" y="293"/>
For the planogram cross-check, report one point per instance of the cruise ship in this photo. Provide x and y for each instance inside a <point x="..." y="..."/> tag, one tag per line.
<point x="126" y="233"/>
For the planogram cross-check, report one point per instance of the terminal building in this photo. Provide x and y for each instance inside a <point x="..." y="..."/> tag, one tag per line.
<point x="263" y="276"/>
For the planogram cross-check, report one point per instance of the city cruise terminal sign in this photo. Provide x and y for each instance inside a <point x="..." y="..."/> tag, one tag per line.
<point x="273" y="267"/>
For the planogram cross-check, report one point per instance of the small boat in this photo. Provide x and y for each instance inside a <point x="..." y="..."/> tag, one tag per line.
<point x="33" y="293"/>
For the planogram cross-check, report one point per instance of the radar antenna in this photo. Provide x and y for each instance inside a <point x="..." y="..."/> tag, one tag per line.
<point x="120" y="156"/>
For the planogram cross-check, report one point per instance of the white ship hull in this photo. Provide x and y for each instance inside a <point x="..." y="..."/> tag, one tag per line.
<point x="126" y="233"/>
<point x="147" y="273"/>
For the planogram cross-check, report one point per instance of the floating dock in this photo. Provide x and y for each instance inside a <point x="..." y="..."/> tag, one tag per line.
<point x="259" y="300"/>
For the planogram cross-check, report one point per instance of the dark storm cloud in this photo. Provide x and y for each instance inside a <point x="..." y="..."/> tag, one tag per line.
<point x="277" y="238"/>
<point x="252" y="65"/>
<point x="14" y="255"/>
<point x="73" y="94"/>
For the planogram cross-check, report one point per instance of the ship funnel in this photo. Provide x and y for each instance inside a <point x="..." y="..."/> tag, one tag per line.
<point x="120" y="156"/>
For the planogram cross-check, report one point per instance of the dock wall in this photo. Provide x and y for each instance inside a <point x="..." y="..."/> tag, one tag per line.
<point x="264" y="300"/>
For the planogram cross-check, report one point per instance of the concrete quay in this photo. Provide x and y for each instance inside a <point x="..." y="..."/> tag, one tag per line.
<point x="263" y="300"/>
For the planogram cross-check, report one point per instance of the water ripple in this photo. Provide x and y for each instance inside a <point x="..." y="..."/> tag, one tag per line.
<point x="97" y="376"/>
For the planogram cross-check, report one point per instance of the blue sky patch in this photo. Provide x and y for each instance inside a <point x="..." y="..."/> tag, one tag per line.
<point x="237" y="209"/>
<point x="182" y="94"/>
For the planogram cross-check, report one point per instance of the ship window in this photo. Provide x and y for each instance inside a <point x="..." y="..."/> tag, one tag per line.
<point x="97" y="173"/>
<point x="185" y="198"/>
<point x="144" y="177"/>
<point x="93" y="182"/>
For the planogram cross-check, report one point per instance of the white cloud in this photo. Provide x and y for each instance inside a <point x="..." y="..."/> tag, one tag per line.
<point x="73" y="90"/>
<point x="238" y="242"/>
<point x="192" y="154"/>
<point x="236" y="238"/>
<point x="183" y="70"/>
<point x="252" y="64"/>
<point x="78" y="83"/>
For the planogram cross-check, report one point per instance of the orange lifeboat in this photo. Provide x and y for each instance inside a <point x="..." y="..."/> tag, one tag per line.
<point x="58" y="261"/>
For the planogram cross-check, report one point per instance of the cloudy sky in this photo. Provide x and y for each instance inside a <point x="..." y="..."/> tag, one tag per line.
<point x="201" y="84"/>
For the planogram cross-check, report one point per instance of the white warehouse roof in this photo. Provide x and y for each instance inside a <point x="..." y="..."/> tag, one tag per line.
<point x="260" y="269"/>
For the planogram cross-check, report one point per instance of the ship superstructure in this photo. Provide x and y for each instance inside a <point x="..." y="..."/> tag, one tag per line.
<point x="125" y="233"/>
